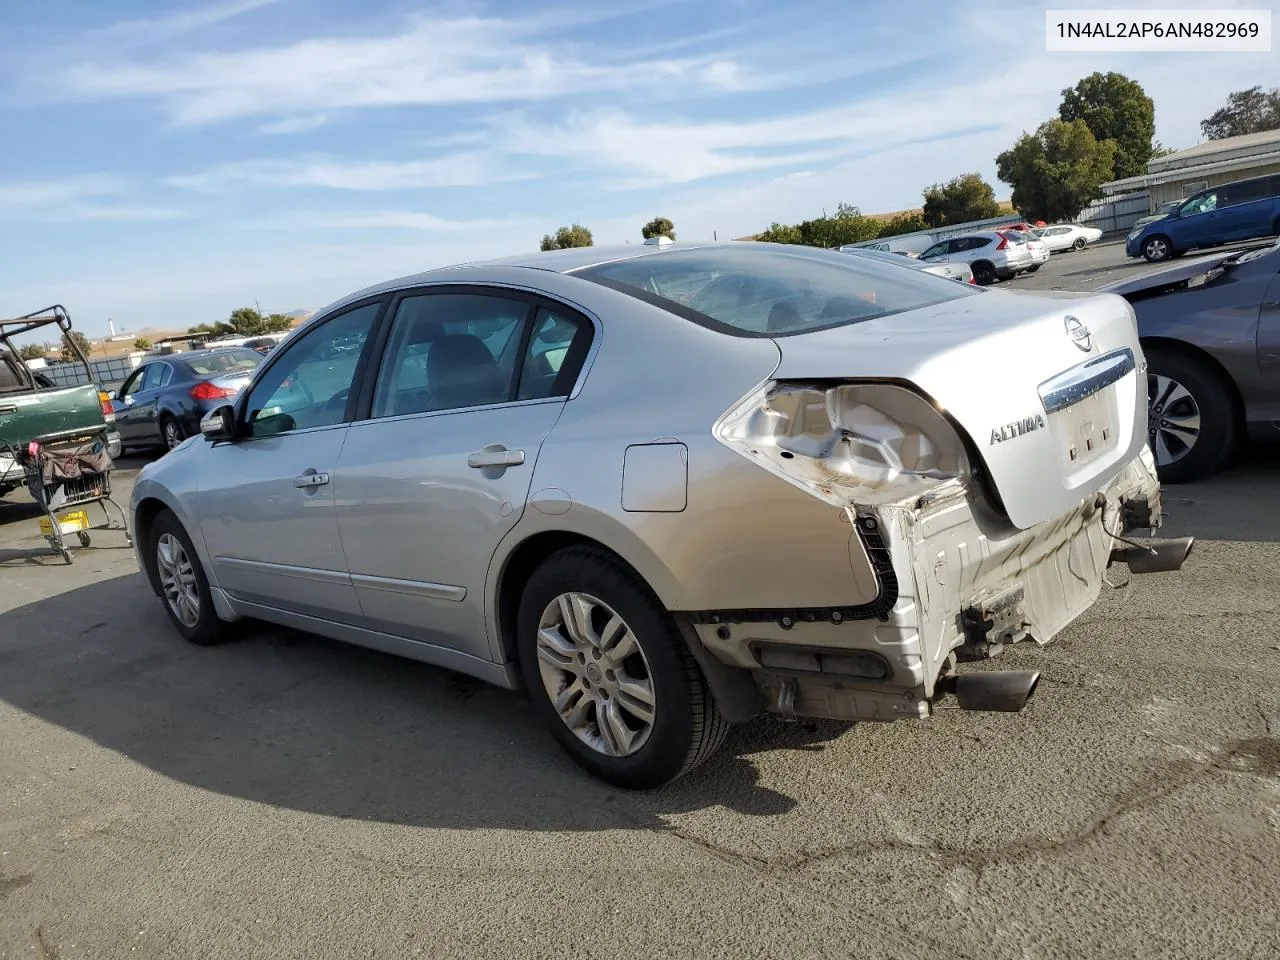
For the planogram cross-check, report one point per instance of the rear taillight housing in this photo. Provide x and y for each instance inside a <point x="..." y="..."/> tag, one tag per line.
<point x="845" y="443"/>
<point x="208" y="391"/>
<point x="1004" y="242"/>
<point x="108" y="408"/>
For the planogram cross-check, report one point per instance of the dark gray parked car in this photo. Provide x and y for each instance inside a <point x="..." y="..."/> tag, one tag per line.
<point x="1211" y="332"/>
<point x="162" y="402"/>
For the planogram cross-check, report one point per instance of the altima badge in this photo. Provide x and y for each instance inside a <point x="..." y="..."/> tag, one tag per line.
<point x="1078" y="332"/>
<point x="1007" y="431"/>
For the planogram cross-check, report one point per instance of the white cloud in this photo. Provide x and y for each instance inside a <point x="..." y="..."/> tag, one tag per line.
<point x="452" y="170"/>
<point x="384" y="220"/>
<point x="432" y="61"/>
<point x="157" y="29"/>
<point x="298" y="124"/>
<point x="77" y="198"/>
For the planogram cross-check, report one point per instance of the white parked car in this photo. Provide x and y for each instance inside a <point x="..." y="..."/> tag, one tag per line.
<point x="952" y="271"/>
<point x="1035" y="246"/>
<point x="1068" y="236"/>
<point x="990" y="255"/>
<point x="910" y="245"/>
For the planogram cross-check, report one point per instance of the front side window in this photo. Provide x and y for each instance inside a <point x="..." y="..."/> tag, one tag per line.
<point x="309" y="384"/>
<point x="1201" y="204"/>
<point x="448" y="351"/>
<point x="134" y="383"/>
<point x="755" y="292"/>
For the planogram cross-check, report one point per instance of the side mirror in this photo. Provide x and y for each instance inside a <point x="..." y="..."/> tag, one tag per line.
<point x="219" y="424"/>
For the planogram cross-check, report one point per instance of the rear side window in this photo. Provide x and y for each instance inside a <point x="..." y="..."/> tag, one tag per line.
<point x="753" y="291"/>
<point x="1247" y="192"/>
<point x="228" y="361"/>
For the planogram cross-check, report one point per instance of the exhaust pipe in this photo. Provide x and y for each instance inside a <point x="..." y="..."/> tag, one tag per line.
<point x="1155" y="556"/>
<point x="1005" y="691"/>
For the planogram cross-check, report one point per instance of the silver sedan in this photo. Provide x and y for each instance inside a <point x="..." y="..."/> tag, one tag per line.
<point x="670" y="487"/>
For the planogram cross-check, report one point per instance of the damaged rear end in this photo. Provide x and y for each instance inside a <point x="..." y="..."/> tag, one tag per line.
<point x="991" y="456"/>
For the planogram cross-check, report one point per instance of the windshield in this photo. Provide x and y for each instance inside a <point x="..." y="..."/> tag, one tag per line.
<point x="750" y="291"/>
<point x="225" y="361"/>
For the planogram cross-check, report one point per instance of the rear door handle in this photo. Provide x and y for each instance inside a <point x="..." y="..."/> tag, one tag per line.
<point x="306" y="480"/>
<point x="496" y="456"/>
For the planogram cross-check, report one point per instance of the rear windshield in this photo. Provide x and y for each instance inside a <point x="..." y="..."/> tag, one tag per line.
<point x="225" y="361"/>
<point x="752" y="291"/>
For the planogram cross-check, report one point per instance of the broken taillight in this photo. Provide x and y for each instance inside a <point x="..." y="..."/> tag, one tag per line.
<point x="846" y="443"/>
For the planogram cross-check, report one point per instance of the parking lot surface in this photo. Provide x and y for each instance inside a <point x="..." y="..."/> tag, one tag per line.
<point x="286" y="796"/>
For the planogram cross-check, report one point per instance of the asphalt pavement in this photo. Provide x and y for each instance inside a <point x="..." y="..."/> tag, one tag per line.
<point x="285" y="796"/>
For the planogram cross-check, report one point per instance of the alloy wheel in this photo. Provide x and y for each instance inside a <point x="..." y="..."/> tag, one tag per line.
<point x="178" y="579"/>
<point x="1157" y="249"/>
<point x="1173" y="419"/>
<point x="596" y="674"/>
<point x="172" y="436"/>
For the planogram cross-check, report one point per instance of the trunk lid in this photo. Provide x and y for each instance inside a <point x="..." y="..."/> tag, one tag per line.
<point x="1049" y="388"/>
<point x="24" y="416"/>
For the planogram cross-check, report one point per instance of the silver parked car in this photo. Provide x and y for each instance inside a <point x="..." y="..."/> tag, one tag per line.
<point x="991" y="255"/>
<point x="669" y="487"/>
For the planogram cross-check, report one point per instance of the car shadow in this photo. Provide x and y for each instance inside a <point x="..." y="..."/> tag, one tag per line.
<point x="1232" y="505"/>
<point x="296" y="721"/>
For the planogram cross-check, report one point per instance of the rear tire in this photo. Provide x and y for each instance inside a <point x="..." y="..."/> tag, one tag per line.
<point x="184" y="589"/>
<point x="1078" y="244"/>
<point x="591" y="635"/>
<point x="1183" y="393"/>
<point x="171" y="432"/>
<point x="984" y="274"/>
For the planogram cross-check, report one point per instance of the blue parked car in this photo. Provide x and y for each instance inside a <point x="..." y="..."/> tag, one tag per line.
<point x="1229" y="213"/>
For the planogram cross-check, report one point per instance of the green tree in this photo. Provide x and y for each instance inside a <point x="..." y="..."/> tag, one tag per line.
<point x="847" y="226"/>
<point x="959" y="200"/>
<point x="658" y="227"/>
<point x="1246" y="111"/>
<point x="566" y="237"/>
<point x="142" y="343"/>
<point x="903" y="223"/>
<point x="80" y="340"/>
<point x="780" y="233"/>
<point x="33" y="351"/>
<point x="277" y="323"/>
<point x="1056" y="171"/>
<point x="1114" y="108"/>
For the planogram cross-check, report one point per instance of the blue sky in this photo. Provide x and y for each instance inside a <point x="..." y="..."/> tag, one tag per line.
<point x="167" y="162"/>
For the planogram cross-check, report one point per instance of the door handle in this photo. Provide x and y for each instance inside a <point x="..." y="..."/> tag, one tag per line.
<point x="307" y="480"/>
<point x="495" y="457"/>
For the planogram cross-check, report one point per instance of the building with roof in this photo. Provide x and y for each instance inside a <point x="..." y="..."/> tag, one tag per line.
<point x="1209" y="164"/>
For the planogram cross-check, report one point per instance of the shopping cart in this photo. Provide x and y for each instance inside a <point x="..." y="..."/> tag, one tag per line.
<point x="65" y="473"/>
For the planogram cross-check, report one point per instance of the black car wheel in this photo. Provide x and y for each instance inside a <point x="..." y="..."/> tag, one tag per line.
<point x="610" y="674"/>
<point x="1157" y="248"/>
<point x="171" y="432"/>
<point x="183" y="587"/>
<point x="1191" y="419"/>
<point x="1078" y="244"/>
<point x="984" y="274"/>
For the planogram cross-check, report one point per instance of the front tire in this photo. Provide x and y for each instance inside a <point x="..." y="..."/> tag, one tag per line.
<point x="184" y="589"/>
<point x="1035" y="268"/>
<point x="1191" y="417"/>
<point x="1078" y="244"/>
<point x="609" y="673"/>
<point x="1157" y="248"/>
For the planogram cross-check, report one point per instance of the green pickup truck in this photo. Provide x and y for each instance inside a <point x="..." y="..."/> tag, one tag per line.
<point x="31" y="405"/>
